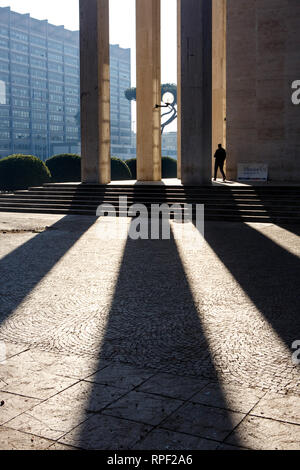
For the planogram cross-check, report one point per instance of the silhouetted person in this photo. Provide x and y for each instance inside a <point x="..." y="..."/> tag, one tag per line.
<point x="220" y="157"/>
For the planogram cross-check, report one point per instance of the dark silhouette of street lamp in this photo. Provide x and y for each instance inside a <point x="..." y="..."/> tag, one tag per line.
<point x="168" y="101"/>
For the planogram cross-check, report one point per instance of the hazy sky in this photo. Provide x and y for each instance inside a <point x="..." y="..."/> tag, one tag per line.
<point x="122" y="28"/>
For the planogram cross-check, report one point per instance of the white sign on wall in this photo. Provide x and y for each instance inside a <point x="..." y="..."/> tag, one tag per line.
<point x="253" y="172"/>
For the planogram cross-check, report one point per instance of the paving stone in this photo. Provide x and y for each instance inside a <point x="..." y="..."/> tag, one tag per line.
<point x="203" y="421"/>
<point x="281" y="407"/>
<point x="14" y="349"/>
<point x="37" y="385"/>
<point x="266" y="434"/>
<point x="30" y="359"/>
<point x="15" y="440"/>
<point x="173" y="386"/>
<point x="161" y="439"/>
<point x="143" y="407"/>
<point x="20" y="221"/>
<point x="121" y="376"/>
<point x="106" y="433"/>
<point x="14" y="405"/>
<point x="63" y="412"/>
<point x="229" y="447"/>
<point x="80" y="367"/>
<point x="25" y="374"/>
<point x="231" y="397"/>
<point x="58" y="446"/>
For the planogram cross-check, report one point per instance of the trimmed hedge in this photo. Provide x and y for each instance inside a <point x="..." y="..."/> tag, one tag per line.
<point x="22" y="171"/>
<point x="131" y="163"/>
<point x="65" y="168"/>
<point x="169" y="167"/>
<point x="119" y="170"/>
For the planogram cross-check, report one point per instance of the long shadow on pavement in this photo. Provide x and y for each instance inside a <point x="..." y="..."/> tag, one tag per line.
<point x="268" y="274"/>
<point x="23" y="268"/>
<point x="161" y="360"/>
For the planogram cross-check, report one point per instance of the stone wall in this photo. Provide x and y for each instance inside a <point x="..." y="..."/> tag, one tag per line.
<point x="263" y="48"/>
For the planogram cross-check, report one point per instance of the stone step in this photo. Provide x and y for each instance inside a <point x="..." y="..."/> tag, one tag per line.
<point x="9" y="200"/>
<point x="150" y="190"/>
<point x="221" y="203"/>
<point x="176" y="187"/>
<point x="133" y="192"/>
<point x="209" y="217"/>
<point x="92" y="208"/>
<point x="155" y="197"/>
<point x="268" y="204"/>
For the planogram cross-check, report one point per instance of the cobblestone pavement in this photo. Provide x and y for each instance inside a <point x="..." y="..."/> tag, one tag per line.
<point x="156" y="344"/>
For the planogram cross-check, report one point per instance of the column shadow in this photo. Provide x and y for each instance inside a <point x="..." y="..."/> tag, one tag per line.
<point x="268" y="274"/>
<point x="23" y="268"/>
<point x="154" y="326"/>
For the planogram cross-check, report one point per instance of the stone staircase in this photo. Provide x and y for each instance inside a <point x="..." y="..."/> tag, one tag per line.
<point x="277" y="204"/>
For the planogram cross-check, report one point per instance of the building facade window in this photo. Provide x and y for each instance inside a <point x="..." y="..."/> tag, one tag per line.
<point x="21" y="135"/>
<point x="21" y="125"/>
<point x="71" y="70"/>
<point x="4" y="123"/>
<point x="57" y="77"/>
<point x="54" y="127"/>
<point x="39" y="95"/>
<point x="39" y="84"/>
<point x="4" y="42"/>
<point x="21" y="103"/>
<point x="38" y="73"/>
<point x="38" y="63"/>
<point x="57" y="46"/>
<point x="19" y="80"/>
<point x="56" y="98"/>
<point x="38" y="41"/>
<point x="39" y="105"/>
<point x="19" y="58"/>
<point x="19" y="46"/>
<point x="53" y="66"/>
<point x="55" y="56"/>
<point x="4" y="54"/>
<point x="71" y="50"/>
<point x="56" y="118"/>
<point x="4" y="135"/>
<point x="4" y="66"/>
<point x="19" y="35"/>
<point x="39" y="126"/>
<point x="39" y="52"/>
<point x="21" y="92"/>
<point x="18" y="113"/>
<point x="3" y="31"/>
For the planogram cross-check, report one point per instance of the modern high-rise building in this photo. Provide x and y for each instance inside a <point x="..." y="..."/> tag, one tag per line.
<point x="39" y="82"/>
<point x="169" y="144"/>
<point x="120" y="80"/>
<point x="40" y="89"/>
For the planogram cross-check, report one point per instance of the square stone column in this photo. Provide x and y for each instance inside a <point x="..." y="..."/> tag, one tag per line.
<point x="195" y="90"/>
<point x="95" y="91"/>
<point x="219" y="26"/>
<point x="179" y="89"/>
<point x="148" y="90"/>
